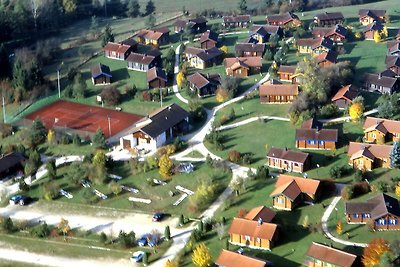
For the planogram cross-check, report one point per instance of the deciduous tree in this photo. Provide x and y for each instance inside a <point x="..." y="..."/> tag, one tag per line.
<point x="63" y="227"/>
<point x="98" y="139"/>
<point x="111" y="96"/>
<point x="242" y="6"/>
<point x="150" y="21"/>
<point x="165" y="164"/>
<point x="224" y="50"/>
<point x="51" y="137"/>
<point x="339" y="227"/>
<point x="180" y="79"/>
<point x="51" y="169"/>
<point x="222" y="95"/>
<point x="356" y="111"/>
<point x="69" y="6"/>
<point x="201" y="256"/>
<point x="108" y="36"/>
<point x="171" y="264"/>
<point x="373" y="252"/>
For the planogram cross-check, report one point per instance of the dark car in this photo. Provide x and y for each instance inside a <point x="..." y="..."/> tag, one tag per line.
<point x="157" y="217"/>
<point x="142" y="241"/>
<point x="20" y="200"/>
<point x="148" y="240"/>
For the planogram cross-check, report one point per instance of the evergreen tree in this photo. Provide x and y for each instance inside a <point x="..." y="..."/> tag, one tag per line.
<point x="20" y="76"/>
<point x="108" y="36"/>
<point x="167" y="233"/>
<point x="37" y="132"/>
<point x="150" y="7"/>
<point x="51" y="169"/>
<point x="94" y="26"/>
<point x="132" y="8"/>
<point x="150" y="21"/>
<point x="79" y="86"/>
<point x="36" y="75"/>
<point x="5" y="67"/>
<point x="242" y="6"/>
<point x="99" y="139"/>
<point x="395" y="155"/>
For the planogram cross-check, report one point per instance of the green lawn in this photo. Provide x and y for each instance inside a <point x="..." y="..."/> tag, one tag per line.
<point x="6" y="263"/>
<point x="159" y="195"/>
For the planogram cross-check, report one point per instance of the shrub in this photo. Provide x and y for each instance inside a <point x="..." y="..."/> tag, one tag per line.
<point x="360" y="189"/>
<point x="197" y="235"/>
<point x="51" y="190"/>
<point x="40" y="230"/>
<point x="262" y="172"/>
<point x="358" y="176"/>
<point x="234" y="156"/>
<point x="103" y="238"/>
<point x="347" y="192"/>
<point x="127" y="240"/>
<point x="7" y="225"/>
<point x="111" y="96"/>
<point x="336" y="171"/>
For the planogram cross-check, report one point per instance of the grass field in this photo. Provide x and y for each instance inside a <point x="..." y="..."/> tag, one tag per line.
<point x="159" y="195"/>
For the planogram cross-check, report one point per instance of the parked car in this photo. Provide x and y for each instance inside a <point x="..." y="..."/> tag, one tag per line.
<point x="20" y="200"/>
<point x="148" y="240"/>
<point x="137" y="256"/>
<point x="142" y="241"/>
<point x="157" y="217"/>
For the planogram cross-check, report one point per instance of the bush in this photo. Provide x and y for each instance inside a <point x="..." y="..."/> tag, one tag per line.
<point x="50" y="190"/>
<point x="347" y="192"/>
<point x="40" y="230"/>
<point x="360" y="189"/>
<point x="329" y="111"/>
<point x="7" y="225"/>
<point x="262" y="172"/>
<point x="339" y="171"/>
<point x="196" y="236"/>
<point x="127" y="240"/>
<point x="5" y="130"/>
<point x="358" y="176"/>
<point x="234" y="156"/>
<point x="103" y="238"/>
<point x="111" y="96"/>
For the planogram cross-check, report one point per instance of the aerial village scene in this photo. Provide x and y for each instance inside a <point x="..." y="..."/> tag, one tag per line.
<point x="230" y="133"/>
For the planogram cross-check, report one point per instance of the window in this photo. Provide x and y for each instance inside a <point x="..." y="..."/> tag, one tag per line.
<point x="279" y="200"/>
<point x="373" y="135"/>
<point x="311" y="142"/>
<point x="355" y="215"/>
<point x="381" y="221"/>
<point x="366" y="215"/>
<point x="247" y="238"/>
<point x="321" y="143"/>
<point x="258" y="240"/>
<point x="393" y="221"/>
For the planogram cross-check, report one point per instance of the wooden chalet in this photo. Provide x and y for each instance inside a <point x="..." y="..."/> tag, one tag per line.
<point x="370" y="29"/>
<point x="311" y="136"/>
<point x="393" y="48"/>
<point x="242" y="66"/>
<point x="288" y="160"/>
<point x="382" y="211"/>
<point x="144" y="62"/>
<point x="286" y="73"/>
<point x="393" y="64"/>
<point x="261" y="212"/>
<point x="345" y="96"/>
<point x="314" y="46"/>
<point x="287" y="19"/>
<point x="253" y="234"/>
<point x="327" y="19"/>
<point x="384" y="83"/>
<point x="156" y="78"/>
<point x="336" y="33"/>
<point x="203" y="58"/>
<point x="326" y="59"/>
<point x="381" y="130"/>
<point x="156" y="129"/>
<point x="204" y="84"/>
<point x="368" y="156"/>
<point x="368" y="16"/>
<point x="271" y="93"/>
<point x="319" y="255"/>
<point x="101" y="74"/>
<point x="261" y="33"/>
<point x="208" y="39"/>
<point x="11" y="164"/>
<point x="233" y="259"/>
<point x="236" y="21"/>
<point x="118" y="51"/>
<point x="154" y="37"/>
<point x="196" y="25"/>
<point x="249" y="50"/>
<point x="291" y="191"/>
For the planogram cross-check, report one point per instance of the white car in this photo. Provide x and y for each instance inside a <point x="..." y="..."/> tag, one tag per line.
<point x="137" y="256"/>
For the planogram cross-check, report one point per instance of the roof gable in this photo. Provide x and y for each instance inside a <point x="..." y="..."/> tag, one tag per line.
<point x="100" y="69"/>
<point x="348" y="92"/>
<point x="378" y="151"/>
<point x="232" y="259"/>
<point x="306" y="185"/>
<point x="392" y="126"/>
<point x="331" y="255"/>
<point x="252" y="228"/>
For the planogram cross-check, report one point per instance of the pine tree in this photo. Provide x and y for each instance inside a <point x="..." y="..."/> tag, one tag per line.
<point x="167" y="233"/>
<point x="395" y="155"/>
<point x="133" y="8"/>
<point x="94" y="26"/>
<point x="150" y="7"/>
<point x="108" y="36"/>
<point x="201" y="256"/>
<point x="51" y="169"/>
<point x="37" y="132"/>
<point x="242" y="6"/>
<point x="20" y="76"/>
<point x="99" y="139"/>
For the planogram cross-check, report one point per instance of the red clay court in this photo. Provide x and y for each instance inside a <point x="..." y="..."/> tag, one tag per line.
<point x="83" y="118"/>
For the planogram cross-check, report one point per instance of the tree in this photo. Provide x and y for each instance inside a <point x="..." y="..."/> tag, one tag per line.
<point x="37" y="133"/>
<point x="51" y="169"/>
<point x="222" y="95"/>
<point x="51" y="137"/>
<point x="51" y="190"/>
<point x="280" y="57"/>
<point x="171" y="264"/>
<point x="7" y="225"/>
<point x="339" y="227"/>
<point x="377" y="37"/>
<point x="196" y="109"/>
<point x="20" y="76"/>
<point x="79" y="86"/>
<point x="99" y="159"/>
<point x="166" y="166"/>
<point x="273" y="40"/>
<point x="150" y="21"/>
<point x="23" y="186"/>
<point x="237" y="185"/>
<point x="69" y="6"/>
<point x="111" y="96"/>
<point x="373" y="252"/>
<point x="167" y="233"/>
<point x="356" y="111"/>
<point x="150" y="7"/>
<point x="115" y="188"/>
<point x="224" y="50"/>
<point x="94" y="27"/>
<point x="388" y="106"/>
<point x="98" y="139"/>
<point x="132" y="8"/>
<point x="395" y="155"/>
<point x="268" y="55"/>
<point x="108" y="36"/>
<point x="242" y="6"/>
<point x="63" y="227"/>
<point x="201" y="256"/>
<point x="145" y="259"/>
<point x="180" y="79"/>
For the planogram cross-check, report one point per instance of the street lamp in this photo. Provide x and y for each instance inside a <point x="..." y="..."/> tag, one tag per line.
<point x="58" y="79"/>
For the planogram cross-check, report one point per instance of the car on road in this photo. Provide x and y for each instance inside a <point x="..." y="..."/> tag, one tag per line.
<point x="142" y="241"/>
<point x="20" y="200"/>
<point x="157" y="217"/>
<point x="137" y="256"/>
<point x="148" y="240"/>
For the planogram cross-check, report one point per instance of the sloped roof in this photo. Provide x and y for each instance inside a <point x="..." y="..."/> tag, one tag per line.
<point x="145" y="59"/>
<point x="278" y="89"/>
<point x="329" y="56"/>
<point x="331" y="255"/>
<point x="329" y="16"/>
<point x="306" y="185"/>
<point x="100" y="69"/>
<point x="393" y="46"/>
<point x="266" y="214"/>
<point x="204" y="54"/>
<point x="232" y="259"/>
<point x="209" y="36"/>
<point x="378" y="151"/>
<point x="200" y="80"/>
<point x="326" y="32"/>
<point x="10" y="160"/>
<point x="242" y="61"/>
<point x="290" y="155"/>
<point x="380" y="80"/>
<point x="156" y="73"/>
<point x="374" y="26"/>
<point x="317" y="135"/>
<point x="348" y="92"/>
<point x="263" y="30"/>
<point x="153" y="34"/>
<point x="119" y="48"/>
<point x="236" y="18"/>
<point x="290" y="190"/>
<point x="198" y="20"/>
<point x="392" y="61"/>
<point x="373" y="13"/>
<point x="249" y="47"/>
<point x="383" y="125"/>
<point x="287" y="69"/>
<point x="282" y="18"/>
<point x="311" y="123"/>
<point x="252" y="228"/>
<point x="315" y="42"/>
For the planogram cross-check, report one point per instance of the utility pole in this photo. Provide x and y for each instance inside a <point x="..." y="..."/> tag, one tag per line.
<point x="58" y="83"/>
<point x="4" y="111"/>
<point x="161" y="96"/>
<point x="109" y="125"/>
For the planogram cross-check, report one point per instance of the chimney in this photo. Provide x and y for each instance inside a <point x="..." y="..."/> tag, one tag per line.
<point x="379" y="75"/>
<point x="259" y="221"/>
<point x="286" y="149"/>
<point x="166" y="118"/>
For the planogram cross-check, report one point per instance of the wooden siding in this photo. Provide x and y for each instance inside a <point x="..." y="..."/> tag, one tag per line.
<point x="287" y="165"/>
<point x="277" y="99"/>
<point x="282" y="202"/>
<point x="251" y="241"/>
<point x="303" y="49"/>
<point x="157" y="83"/>
<point x="304" y="144"/>
<point x="330" y="22"/>
<point x="102" y="79"/>
<point x="369" y="35"/>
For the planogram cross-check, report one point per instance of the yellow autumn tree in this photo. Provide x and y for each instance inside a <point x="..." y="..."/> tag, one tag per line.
<point x="358" y="35"/>
<point x="373" y="252"/>
<point x="377" y="37"/>
<point x="356" y="110"/>
<point x="51" y="137"/>
<point x="384" y="33"/>
<point x="165" y="165"/>
<point x="397" y="190"/>
<point x="221" y="95"/>
<point x="64" y="227"/>
<point x="171" y="264"/>
<point x="339" y="227"/>
<point x="201" y="256"/>
<point x="180" y="79"/>
<point x="224" y="50"/>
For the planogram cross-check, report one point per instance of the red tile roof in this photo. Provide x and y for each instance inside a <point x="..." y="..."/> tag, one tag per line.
<point x="253" y="229"/>
<point x="331" y="255"/>
<point x="232" y="259"/>
<point x="348" y="92"/>
<point x="305" y="185"/>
